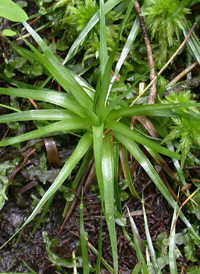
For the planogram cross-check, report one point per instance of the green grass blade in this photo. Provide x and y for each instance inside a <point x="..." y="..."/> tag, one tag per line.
<point x="65" y="125"/>
<point x="54" y="97"/>
<point x="29" y="268"/>
<point x="172" y="245"/>
<point x="192" y="42"/>
<point x="109" y="5"/>
<point x="137" y="246"/>
<point x="44" y="114"/>
<point x="58" y="71"/>
<point x="108" y="181"/>
<point x="83" y="167"/>
<point x="129" y="42"/>
<point x="119" y="127"/>
<point x="152" y="110"/>
<point x="97" y="147"/>
<point x="83" y="236"/>
<point x="136" y="269"/>
<point x="127" y="174"/>
<point x="116" y="169"/>
<point x="150" y="244"/>
<point x="11" y="108"/>
<point x="73" y="160"/>
<point x="110" y="269"/>
<point x="99" y="258"/>
<point x="103" y="54"/>
<point x="152" y="173"/>
<point x="120" y="98"/>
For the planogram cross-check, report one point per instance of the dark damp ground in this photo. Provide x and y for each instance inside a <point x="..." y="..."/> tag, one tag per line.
<point x="34" y="253"/>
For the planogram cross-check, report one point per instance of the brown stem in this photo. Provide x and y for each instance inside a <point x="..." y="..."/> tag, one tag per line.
<point x="152" y="91"/>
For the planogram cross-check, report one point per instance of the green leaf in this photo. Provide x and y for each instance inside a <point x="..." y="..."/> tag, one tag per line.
<point x="149" y="241"/>
<point x="152" y="110"/>
<point x="126" y="171"/>
<point x="172" y="246"/>
<point x="129" y="42"/>
<point x="54" y="97"/>
<point x="58" y="71"/>
<point x="138" y="250"/>
<point x="9" y="32"/>
<point x="97" y="147"/>
<point x="109" y="5"/>
<point x="119" y="127"/>
<point x="108" y="182"/>
<point x="12" y="12"/>
<point x="43" y="115"/>
<point x="103" y="54"/>
<point x="65" y="125"/>
<point x="56" y="260"/>
<point x="192" y="42"/>
<point x="99" y="258"/>
<point x="83" y="236"/>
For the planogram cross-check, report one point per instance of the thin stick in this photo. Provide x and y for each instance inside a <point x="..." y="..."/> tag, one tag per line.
<point x="152" y="92"/>
<point x="182" y="74"/>
<point x="164" y="67"/>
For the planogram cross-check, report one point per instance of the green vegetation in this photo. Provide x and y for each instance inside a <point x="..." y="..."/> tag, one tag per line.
<point x="95" y="54"/>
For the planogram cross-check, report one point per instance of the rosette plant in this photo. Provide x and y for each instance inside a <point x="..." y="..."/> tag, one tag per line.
<point x="102" y="121"/>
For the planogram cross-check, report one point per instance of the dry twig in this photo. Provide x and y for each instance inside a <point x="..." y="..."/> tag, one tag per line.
<point x="152" y="92"/>
<point x="164" y="67"/>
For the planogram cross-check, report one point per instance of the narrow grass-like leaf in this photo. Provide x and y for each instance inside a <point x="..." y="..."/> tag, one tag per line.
<point x="192" y="42"/>
<point x="29" y="268"/>
<point x="97" y="147"/>
<point x="44" y="114"/>
<point x="86" y="268"/>
<point x="110" y="269"/>
<point x="119" y="127"/>
<point x="58" y="71"/>
<point x="108" y="181"/>
<point x="27" y="54"/>
<point x="137" y="246"/>
<point x="83" y="167"/>
<point x="75" y="157"/>
<point x="136" y="268"/>
<point x="149" y="241"/>
<point x="153" y="110"/>
<point x="172" y="245"/>
<point x="120" y="98"/>
<point x="99" y="258"/>
<point x="109" y="5"/>
<point x="147" y="166"/>
<point x="103" y="54"/>
<point x="127" y="174"/>
<point x="116" y="169"/>
<point x="129" y="41"/>
<point x="163" y="132"/>
<point x="11" y="108"/>
<point x="54" y="97"/>
<point x="64" y="125"/>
